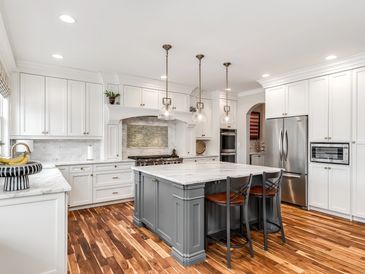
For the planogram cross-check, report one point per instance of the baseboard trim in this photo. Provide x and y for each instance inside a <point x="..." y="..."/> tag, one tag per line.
<point x="101" y="204"/>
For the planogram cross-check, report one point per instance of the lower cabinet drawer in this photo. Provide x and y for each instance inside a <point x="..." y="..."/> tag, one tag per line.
<point x="81" y="169"/>
<point x="114" y="193"/>
<point x="112" y="178"/>
<point x="113" y="166"/>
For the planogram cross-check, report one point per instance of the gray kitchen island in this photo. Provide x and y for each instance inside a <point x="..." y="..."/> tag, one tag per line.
<point x="169" y="200"/>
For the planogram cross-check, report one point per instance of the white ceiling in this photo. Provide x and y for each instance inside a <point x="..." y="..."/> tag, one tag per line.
<point x="125" y="36"/>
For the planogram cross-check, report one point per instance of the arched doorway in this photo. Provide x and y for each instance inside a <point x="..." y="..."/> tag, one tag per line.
<point x="255" y="130"/>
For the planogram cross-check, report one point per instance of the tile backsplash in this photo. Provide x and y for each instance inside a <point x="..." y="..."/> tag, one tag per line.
<point x="64" y="150"/>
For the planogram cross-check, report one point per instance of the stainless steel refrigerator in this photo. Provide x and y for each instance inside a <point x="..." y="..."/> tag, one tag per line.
<point x="286" y="144"/>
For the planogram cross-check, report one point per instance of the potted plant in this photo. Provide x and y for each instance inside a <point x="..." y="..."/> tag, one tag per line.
<point x="112" y="96"/>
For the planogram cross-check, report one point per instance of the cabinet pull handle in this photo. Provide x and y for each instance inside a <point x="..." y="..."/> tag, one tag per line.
<point x="154" y="180"/>
<point x="115" y="192"/>
<point x="115" y="177"/>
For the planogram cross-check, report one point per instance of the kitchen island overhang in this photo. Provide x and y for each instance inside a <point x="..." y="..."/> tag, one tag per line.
<point x="169" y="200"/>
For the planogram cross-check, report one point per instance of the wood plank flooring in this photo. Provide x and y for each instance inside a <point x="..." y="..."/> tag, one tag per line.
<point x="104" y="240"/>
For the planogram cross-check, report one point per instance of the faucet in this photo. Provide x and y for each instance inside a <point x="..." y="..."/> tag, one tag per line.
<point x="13" y="147"/>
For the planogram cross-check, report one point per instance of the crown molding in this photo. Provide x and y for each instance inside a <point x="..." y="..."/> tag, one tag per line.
<point x="59" y="71"/>
<point x="251" y="92"/>
<point x="6" y="53"/>
<point x="349" y="63"/>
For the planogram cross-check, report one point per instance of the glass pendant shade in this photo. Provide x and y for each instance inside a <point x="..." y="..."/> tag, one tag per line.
<point x="166" y="113"/>
<point x="199" y="116"/>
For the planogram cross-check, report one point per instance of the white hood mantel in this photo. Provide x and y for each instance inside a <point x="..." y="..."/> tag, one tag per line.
<point x="117" y="112"/>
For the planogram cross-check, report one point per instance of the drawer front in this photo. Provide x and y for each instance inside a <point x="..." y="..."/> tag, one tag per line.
<point x="110" y="194"/>
<point x="112" y="167"/>
<point x="81" y="169"/>
<point x="113" y="178"/>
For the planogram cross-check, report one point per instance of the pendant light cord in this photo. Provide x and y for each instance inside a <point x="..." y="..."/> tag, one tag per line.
<point x="167" y="72"/>
<point x="226" y="85"/>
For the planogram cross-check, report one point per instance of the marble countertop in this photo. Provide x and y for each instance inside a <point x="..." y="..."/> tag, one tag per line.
<point x="199" y="156"/>
<point x="49" y="180"/>
<point x="194" y="173"/>
<point x="92" y="162"/>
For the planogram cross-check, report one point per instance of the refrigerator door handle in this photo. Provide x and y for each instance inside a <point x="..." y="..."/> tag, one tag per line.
<point x="281" y="145"/>
<point x="292" y="175"/>
<point x="286" y="146"/>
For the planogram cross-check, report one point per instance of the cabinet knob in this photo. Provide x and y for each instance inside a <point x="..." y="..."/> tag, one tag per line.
<point x="117" y="155"/>
<point x="353" y="142"/>
<point x="115" y="166"/>
<point x="329" y="138"/>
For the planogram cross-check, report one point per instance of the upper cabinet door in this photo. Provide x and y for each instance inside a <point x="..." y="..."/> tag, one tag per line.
<point x="56" y="107"/>
<point x="150" y="98"/>
<point x="32" y="104"/>
<point x="132" y="96"/>
<point x="94" y="110"/>
<point x="340" y="107"/>
<point x="358" y="106"/>
<point x="297" y="99"/>
<point x="276" y="102"/>
<point x="179" y="101"/>
<point x="76" y="108"/>
<point x="318" y="109"/>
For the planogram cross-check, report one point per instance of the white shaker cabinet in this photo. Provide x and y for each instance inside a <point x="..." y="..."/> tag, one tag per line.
<point x="330" y="108"/>
<point x="150" y="98"/>
<point x="339" y="127"/>
<point x="318" y="109"/>
<point x="56" y="107"/>
<point x="275" y="99"/>
<point x="287" y="100"/>
<point x="76" y="108"/>
<point x="34" y="234"/>
<point x="32" y="104"/>
<point x="297" y="99"/>
<point x="318" y="186"/>
<point x="137" y="97"/>
<point x="94" y="110"/>
<point x="329" y="187"/>
<point x="112" y="142"/>
<point x="81" y="186"/>
<point x="358" y="146"/>
<point x="180" y="101"/>
<point x="132" y="96"/>
<point x="339" y="188"/>
<point x="85" y="109"/>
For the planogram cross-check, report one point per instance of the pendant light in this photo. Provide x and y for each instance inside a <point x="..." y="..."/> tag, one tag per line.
<point x="166" y="112"/>
<point x="199" y="115"/>
<point x="227" y="108"/>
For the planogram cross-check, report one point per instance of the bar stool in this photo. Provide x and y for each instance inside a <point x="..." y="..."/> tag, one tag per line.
<point x="229" y="199"/>
<point x="270" y="189"/>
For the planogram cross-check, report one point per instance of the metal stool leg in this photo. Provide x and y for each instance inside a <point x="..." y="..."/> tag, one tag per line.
<point x="265" y="222"/>
<point x="278" y="201"/>
<point x="248" y="231"/>
<point x="228" y="230"/>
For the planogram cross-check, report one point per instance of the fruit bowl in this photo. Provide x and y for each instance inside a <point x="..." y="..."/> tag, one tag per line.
<point x="16" y="177"/>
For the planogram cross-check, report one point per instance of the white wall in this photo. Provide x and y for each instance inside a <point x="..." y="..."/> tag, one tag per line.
<point x="246" y="100"/>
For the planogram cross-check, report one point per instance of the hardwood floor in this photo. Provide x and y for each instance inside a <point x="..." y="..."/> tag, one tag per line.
<point x="104" y="240"/>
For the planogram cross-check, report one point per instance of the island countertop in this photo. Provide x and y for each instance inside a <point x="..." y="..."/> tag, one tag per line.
<point x="194" y="173"/>
<point x="49" y="180"/>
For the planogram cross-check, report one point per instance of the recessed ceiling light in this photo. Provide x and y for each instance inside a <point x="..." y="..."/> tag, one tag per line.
<point x="331" y="57"/>
<point x="228" y="89"/>
<point x="57" y="56"/>
<point x="67" y="19"/>
<point x="163" y="77"/>
<point x="265" y="75"/>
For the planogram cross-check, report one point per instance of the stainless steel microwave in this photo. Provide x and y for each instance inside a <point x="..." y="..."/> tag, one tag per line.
<point x="330" y="153"/>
